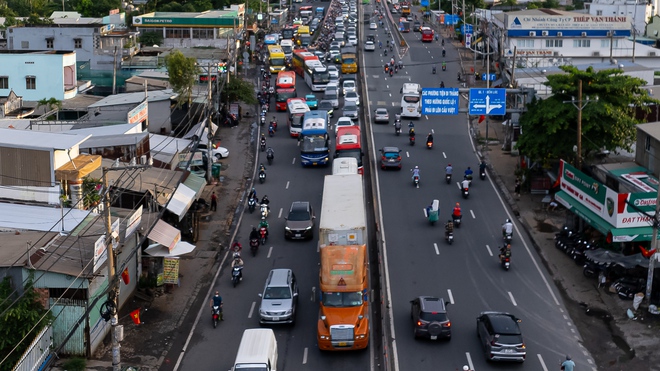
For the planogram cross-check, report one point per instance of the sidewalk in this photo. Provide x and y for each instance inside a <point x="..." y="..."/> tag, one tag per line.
<point x="614" y="341"/>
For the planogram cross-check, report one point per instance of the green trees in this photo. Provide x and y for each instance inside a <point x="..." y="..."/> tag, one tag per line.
<point x="240" y="90"/>
<point x="23" y="318"/>
<point x="183" y="73"/>
<point x="549" y="127"/>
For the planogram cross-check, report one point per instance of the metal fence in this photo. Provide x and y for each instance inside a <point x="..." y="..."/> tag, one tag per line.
<point x="38" y="351"/>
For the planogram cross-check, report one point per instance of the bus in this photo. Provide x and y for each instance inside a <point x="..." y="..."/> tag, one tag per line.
<point x="349" y="60"/>
<point x="404" y="25"/>
<point x="304" y="38"/>
<point x="306" y="12"/>
<point x="276" y="58"/>
<point x="287" y="47"/>
<point x="405" y="9"/>
<point x="297" y="108"/>
<point x="300" y="56"/>
<point x="348" y="144"/>
<point x="411" y="100"/>
<point x="427" y="34"/>
<point x="271" y="39"/>
<point x="314" y="138"/>
<point x="316" y="75"/>
<point x="285" y="80"/>
<point x="288" y="33"/>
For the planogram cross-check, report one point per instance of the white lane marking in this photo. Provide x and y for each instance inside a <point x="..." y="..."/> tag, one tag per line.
<point x="375" y="76"/>
<point x="542" y="362"/>
<point x="407" y="154"/>
<point x="387" y="86"/>
<point x="409" y="79"/>
<point x="489" y="251"/>
<point x="444" y="155"/>
<point x="305" y="356"/>
<point x="469" y="361"/>
<point x="280" y="214"/>
<point x="426" y="116"/>
<point x="432" y="131"/>
<point x="513" y="301"/>
<point x="426" y="215"/>
<point x="298" y="143"/>
<point x="450" y="296"/>
<point x="270" y="251"/>
<point x="431" y="57"/>
<point x="458" y="185"/>
<point x="435" y="246"/>
<point x="390" y="94"/>
<point x="380" y="103"/>
<point x="252" y="309"/>
<point x="287" y="185"/>
<point x="472" y="212"/>
<point x="294" y="161"/>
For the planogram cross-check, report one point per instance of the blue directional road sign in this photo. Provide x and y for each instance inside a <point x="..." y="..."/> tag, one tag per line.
<point x="466" y="28"/>
<point x="487" y="102"/>
<point x="491" y="77"/>
<point x="440" y="101"/>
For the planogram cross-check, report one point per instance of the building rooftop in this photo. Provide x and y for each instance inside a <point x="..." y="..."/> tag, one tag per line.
<point x="99" y="141"/>
<point x="20" y="124"/>
<point x="651" y="128"/>
<point x="134" y="98"/>
<point x="39" y="140"/>
<point x="16" y="217"/>
<point x="545" y="71"/>
<point x="115" y="129"/>
<point x="14" y="247"/>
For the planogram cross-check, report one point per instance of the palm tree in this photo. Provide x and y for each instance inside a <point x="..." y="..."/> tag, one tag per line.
<point x="51" y="104"/>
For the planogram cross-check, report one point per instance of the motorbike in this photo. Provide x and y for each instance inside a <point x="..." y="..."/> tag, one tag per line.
<point x="444" y="68"/>
<point x="271" y="131"/>
<point x="505" y="262"/>
<point x="449" y="237"/>
<point x="466" y="192"/>
<point x="391" y="72"/>
<point x="385" y="52"/>
<point x="236" y="274"/>
<point x="482" y="174"/>
<point x="274" y="125"/>
<point x="263" y="120"/>
<point x="443" y="53"/>
<point x="262" y="176"/>
<point x="216" y="315"/>
<point x="412" y="140"/>
<point x="457" y="220"/>
<point x="263" y="233"/>
<point x="396" y="69"/>
<point x="434" y="70"/>
<point x="252" y="203"/>
<point x="448" y="178"/>
<point x="254" y="246"/>
<point x="397" y="129"/>
<point x="508" y="237"/>
<point x="264" y="211"/>
<point x="429" y="144"/>
<point x="263" y="145"/>
<point x="270" y="156"/>
<point x="416" y="181"/>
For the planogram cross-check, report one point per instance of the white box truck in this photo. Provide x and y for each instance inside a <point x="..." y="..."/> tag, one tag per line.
<point x="257" y="351"/>
<point x="343" y="218"/>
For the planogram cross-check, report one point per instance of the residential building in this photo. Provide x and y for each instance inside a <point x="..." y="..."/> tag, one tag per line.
<point x="153" y="111"/>
<point x="543" y="38"/>
<point x="648" y="146"/>
<point x="639" y="12"/>
<point x="194" y="29"/>
<point x="35" y="75"/>
<point x="95" y="40"/>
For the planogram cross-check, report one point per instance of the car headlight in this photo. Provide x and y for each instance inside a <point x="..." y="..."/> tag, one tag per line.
<point x="308" y="228"/>
<point x="288" y="311"/>
<point x="323" y="337"/>
<point x="287" y="228"/>
<point x="261" y="311"/>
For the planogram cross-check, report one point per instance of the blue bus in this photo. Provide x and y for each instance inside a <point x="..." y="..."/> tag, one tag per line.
<point x="314" y="139"/>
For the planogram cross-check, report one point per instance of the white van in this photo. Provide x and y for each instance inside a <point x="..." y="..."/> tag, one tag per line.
<point x="344" y="165"/>
<point x="257" y="351"/>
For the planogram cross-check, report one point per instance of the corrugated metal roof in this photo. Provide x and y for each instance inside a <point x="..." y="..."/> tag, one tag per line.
<point x="20" y="124"/>
<point x="134" y="98"/>
<point x="14" y="246"/>
<point x="196" y="183"/>
<point x="181" y="200"/>
<point x="108" y="129"/>
<point x="165" y="234"/>
<point x="39" y="140"/>
<point x="39" y="218"/>
<point x="146" y="180"/>
<point x="98" y="141"/>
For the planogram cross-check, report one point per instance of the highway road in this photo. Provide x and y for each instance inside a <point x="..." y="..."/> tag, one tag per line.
<point x="467" y="273"/>
<point x="287" y="181"/>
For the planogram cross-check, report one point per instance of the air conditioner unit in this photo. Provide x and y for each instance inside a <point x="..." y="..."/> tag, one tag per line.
<point x="559" y="34"/>
<point x="532" y="33"/>
<point x="544" y="33"/>
<point x="584" y="34"/>
<point x="651" y="54"/>
<point x="143" y="160"/>
<point x="596" y="54"/>
<point x="555" y="54"/>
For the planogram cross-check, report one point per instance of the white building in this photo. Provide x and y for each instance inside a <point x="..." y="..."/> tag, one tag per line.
<point x="35" y="75"/>
<point x="638" y="11"/>
<point x="543" y="38"/>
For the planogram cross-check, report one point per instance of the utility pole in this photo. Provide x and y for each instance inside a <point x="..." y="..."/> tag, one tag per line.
<point x="209" y="130"/>
<point x="579" y="104"/>
<point x="116" y="331"/>
<point x="114" y="73"/>
<point x="654" y="248"/>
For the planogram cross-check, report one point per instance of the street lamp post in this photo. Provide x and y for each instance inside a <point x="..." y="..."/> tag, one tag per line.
<point x="579" y="104"/>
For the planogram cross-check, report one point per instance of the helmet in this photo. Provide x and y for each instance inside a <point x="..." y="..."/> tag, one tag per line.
<point x="568" y="357"/>
<point x="254" y="229"/>
<point x="416" y="167"/>
<point x="469" y="168"/>
<point x="466" y="368"/>
<point x="237" y="255"/>
<point x="253" y="190"/>
<point x="508" y="220"/>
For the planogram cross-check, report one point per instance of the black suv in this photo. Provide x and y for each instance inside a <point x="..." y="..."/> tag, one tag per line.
<point x="300" y="221"/>
<point x="501" y="337"/>
<point x="429" y="315"/>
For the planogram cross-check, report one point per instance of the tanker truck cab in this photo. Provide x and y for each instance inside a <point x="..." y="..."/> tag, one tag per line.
<point x="257" y="351"/>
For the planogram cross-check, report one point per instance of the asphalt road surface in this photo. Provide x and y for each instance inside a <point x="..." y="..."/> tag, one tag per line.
<point x="467" y="273"/>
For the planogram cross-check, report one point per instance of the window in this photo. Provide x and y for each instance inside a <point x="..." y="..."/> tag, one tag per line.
<point x="77" y="43"/>
<point x="599" y="12"/>
<point x="25" y="45"/>
<point x="49" y="43"/>
<point x="554" y="43"/>
<point x="30" y="82"/>
<point x="605" y="43"/>
<point x="647" y="143"/>
<point x="4" y="82"/>
<point x="581" y="43"/>
<point x="177" y="33"/>
<point x="525" y="43"/>
<point x="203" y="33"/>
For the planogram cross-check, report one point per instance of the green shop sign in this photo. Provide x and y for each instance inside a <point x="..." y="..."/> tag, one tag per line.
<point x="224" y="22"/>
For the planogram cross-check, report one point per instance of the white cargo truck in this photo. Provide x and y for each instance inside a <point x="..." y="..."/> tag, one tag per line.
<point x="257" y="351"/>
<point x="343" y="218"/>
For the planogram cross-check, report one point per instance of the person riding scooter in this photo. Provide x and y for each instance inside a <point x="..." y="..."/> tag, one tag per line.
<point x="456" y="213"/>
<point x="263" y="224"/>
<point x="505" y="252"/>
<point x="507" y="228"/>
<point x="449" y="228"/>
<point x="465" y="184"/>
<point x="429" y="139"/>
<point x="468" y="174"/>
<point x="216" y="301"/>
<point x="237" y="262"/>
<point x="254" y="234"/>
<point x="415" y="172"/>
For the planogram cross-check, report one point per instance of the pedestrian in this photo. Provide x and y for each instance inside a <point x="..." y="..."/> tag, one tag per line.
<point x="214" y="202"/>
<point x="517" y="189"/>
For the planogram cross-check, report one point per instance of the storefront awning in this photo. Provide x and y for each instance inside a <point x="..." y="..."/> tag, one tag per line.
<point x="618" y="234"/>
<point x="165" y="235"/>
<point x="159" y="250"/>
<point x="196" y="183"/>
<point x="181" y="200"/>
<point x="78" y="168"/>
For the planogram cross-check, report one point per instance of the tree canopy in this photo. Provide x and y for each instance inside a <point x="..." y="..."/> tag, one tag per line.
<point x="183" y="72"/>
<point x="549" y="127"/>
<point x="240" y="90"/>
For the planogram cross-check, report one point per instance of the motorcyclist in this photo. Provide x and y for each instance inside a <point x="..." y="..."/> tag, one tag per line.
<point x="271" y="129"/>
<point x="429" y="138"/>
<point x="263" y="224"/>
<point x="505" y="252"/>
<point x="444" y="66"/>
<point x="468" y="173"/>
<point x="392" y="61"/>
<point x="397" y="125"/>
<point x="449" y="228"/>
<point x="433" y="69"/>
<point x="263" y="139"/>
<point x="254" y="234"/>
<point x="270" y="152"/>
<point x="265" y="200"/>
<point x="253" y="194"/>
<point x="443" y="42"/>
<point x="442" y="84"/>
<point x="380" y="45"/>
<point x="236" y="246"/>
<point x="411" y="132"/>
<point x="568" y="364"/>
<point x="216" y="301"/>
<point x="448" y="169"/>
<point x="507" y="228"/>
<point x="237" y="262"/>
<point x="411" y="125"/>
<point x="456" y="213"/>
<point x="482" y="166"/>
<point x="465" y="184"/>
<point x="415" y="172"/>
<point x="400" y="64"/>
<point x="262" y="168"/>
